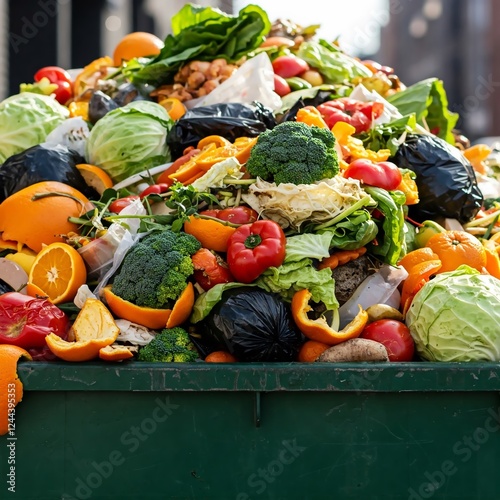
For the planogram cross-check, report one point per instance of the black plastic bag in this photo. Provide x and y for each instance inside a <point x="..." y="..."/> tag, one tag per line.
<point x="321" y="97"/>
<point x="38" y="164"/>
<point x="253" y="325"/>
<point x="446" y="181"/>
<point x="230" y="120"/>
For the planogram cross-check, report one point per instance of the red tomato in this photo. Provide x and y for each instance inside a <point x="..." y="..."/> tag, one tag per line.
<point x="64" y="92"/>
<point x="384" y="174"/>
<point x="281" y="86"/>
<point x="61" y="78"/>
<point x="118" y="205"/>
<point x="394" y="335"/>
<point x="288" y="66"/>
<point x="356" y="113"/>
<point x="210" y="269"/>
<point x="236" y="215"/>
<point x="155" y="189"/>
<point x="55" y="74"/>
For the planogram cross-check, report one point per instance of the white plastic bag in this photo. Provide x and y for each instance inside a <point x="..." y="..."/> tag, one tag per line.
<point x="253" y="81"/>
<point x="378" y="288"/>
<point x="72" y="133"/>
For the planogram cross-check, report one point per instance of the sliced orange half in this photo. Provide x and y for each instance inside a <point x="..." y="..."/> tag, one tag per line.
<point x="58" y="271"/>
<point x="76" y="351"/>
<point x="95" y="177"/>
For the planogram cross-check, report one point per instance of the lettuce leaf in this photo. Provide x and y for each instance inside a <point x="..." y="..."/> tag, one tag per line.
<point x="205" y="33"/>
<point x="428" y="100"/>
<point x="294" y="276"/>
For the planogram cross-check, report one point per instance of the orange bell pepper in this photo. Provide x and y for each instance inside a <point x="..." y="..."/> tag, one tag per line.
<point x="311" y="116"/>
<point x="319" y="329"/>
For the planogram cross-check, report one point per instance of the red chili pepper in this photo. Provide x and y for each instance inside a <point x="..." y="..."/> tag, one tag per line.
<point x="236" y="215"/>
<point x="356" y="113"/>
<point x="162" y="187"/>
<point x="26" y="321"/>
<point x="253" y="248"/>
<point x="210" y="269"/>
<point x="118" y="205"/>
<point x="385" y="175"/>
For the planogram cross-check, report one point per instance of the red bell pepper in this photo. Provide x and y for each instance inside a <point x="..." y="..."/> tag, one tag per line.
<point x="356" y="113"/>
<point x="253" y="248"/>
<point x="235" y="215"/>
<point x="26" y="321"/>
<point x="385" y="175"/>
<point x="210" y="269"/>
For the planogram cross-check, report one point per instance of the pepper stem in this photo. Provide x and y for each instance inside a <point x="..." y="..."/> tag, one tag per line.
<point x="252" y="241"/>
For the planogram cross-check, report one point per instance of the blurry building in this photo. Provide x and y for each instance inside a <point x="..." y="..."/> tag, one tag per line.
<point x="454" y="40"/>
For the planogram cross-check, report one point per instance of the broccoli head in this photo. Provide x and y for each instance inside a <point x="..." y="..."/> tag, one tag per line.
<point x="293" y="152"/>
<point x="155" y="270"/>
<point x="171" y="345"/>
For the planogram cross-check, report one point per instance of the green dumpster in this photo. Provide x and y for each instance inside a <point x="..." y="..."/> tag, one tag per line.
<point x="255" y="431"/>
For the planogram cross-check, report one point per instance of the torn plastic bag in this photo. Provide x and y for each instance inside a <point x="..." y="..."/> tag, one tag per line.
<point x="40" y="163"/>
<point x="253" y="325"/>
<point x="446" y="181"/>
<point x="230" y="120"/>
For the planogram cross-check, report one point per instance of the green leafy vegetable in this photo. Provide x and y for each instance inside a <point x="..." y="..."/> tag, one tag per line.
<point x="303" y="246"/>
<point x="391" y="228"/>
<point x="456" y="317"/>
<point x="294" y="276"/>
<point x="428" y="100"/>
<point x="130" y="139"/>
<point x="26" y="119"/>
<point x="331" y="62"/>
<point x="205" y="33"/>
<point x="355" y="231"/>
<point x="389" y="135"/>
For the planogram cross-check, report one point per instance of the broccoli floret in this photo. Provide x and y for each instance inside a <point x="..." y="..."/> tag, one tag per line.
<point x="155" y="270"/>
<point x="293" y="152"/>
<point x="171" y="345"/>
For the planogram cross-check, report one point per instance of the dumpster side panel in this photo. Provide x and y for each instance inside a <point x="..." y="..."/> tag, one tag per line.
<point x="206" y="445"/>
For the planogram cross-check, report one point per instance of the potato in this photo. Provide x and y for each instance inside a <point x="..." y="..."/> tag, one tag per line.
<point x="383" y="311"/>
<point x="355" y="350"/>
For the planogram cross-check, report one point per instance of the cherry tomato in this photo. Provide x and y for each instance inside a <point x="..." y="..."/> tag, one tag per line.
<point x="281" y="86"/>
<point x="236" y="215"/>
<point x="356" y="113"/>
<point x="155" y="189"/>
<point x="64" y="92"/>
<point x="394" y="335"/>
<point x="118" y="205"/>
<point x="55" y="74"/>
<point x="288" y="66"/>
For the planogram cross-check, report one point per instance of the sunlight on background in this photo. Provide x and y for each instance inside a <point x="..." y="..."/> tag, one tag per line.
<point x="357" y="23"/>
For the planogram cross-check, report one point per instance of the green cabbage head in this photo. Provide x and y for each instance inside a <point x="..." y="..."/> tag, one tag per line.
<point x="130" y="139"/>
<point x="456" y="317"/>
<point x="25" y="121"/>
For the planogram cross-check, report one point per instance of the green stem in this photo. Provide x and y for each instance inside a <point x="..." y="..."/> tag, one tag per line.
<point x="39" y="196"/>
<point x="253" y="241"/>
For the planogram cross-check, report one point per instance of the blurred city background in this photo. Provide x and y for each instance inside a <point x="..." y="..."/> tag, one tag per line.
<point x="455" y="40"/>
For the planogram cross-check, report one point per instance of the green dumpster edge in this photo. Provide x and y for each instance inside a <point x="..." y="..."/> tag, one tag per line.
<point x="257" y="377"/>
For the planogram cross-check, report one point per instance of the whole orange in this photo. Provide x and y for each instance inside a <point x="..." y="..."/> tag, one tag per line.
<point x="38" y="214"/>
<point x="455" y="248"/>
<point x="137" y="44"/>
